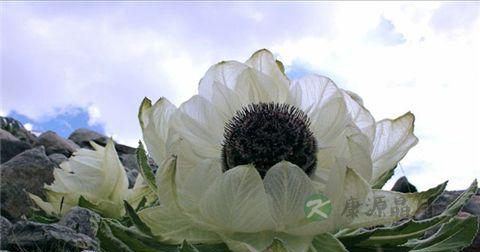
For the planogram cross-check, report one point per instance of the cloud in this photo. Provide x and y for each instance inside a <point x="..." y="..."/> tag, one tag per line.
<point x="104" y="57"/>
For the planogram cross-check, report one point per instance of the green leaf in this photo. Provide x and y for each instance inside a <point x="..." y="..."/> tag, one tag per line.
<point x="145" y="168"/>
<point x="38" y="215"/>
<point x="136" y="220"/>
<point x="142" y="204"/>
<point x="82" y="202"/>
<point x="326" y="243"/>
<point x="116" y="237"/>
<point x="452" y="236"/>
<point x="392" y="237"/>
<point x="382" y="180"/>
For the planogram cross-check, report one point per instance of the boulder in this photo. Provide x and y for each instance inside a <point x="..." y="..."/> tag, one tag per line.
<point x="32" y="236"/>
<point x="28" y="171"/>
<point x="82" y="221"/>
<point x="57" y="158"/>
<point x="129" y="161"/>
<point x="16" y="129"/>
<point x="402" y="185"/>
<point x="5" y="135"/>
<point x="5" y="227"/>
<point x="54" y="143"/>
<point x="132" y="176"/>
<point x="11" y="148"/>
<point x="83" y="136"/>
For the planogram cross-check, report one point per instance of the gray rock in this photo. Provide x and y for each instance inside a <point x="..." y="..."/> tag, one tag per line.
<point x="83" y="136"/>
<point x="57" y="158"/>
<point x="16" y="128"/>
<point x="32" y="236"/>
<point x="5" y="227"/>
<point x="11" y="148"/>
<point x="82" y="221"/>
<point x="132" y="176"/>
<point x="129" y="161"/>
<point x="56" y="144"/>
<point x="5" y="135"/>
<point x="28" y="171"/>
<point x="441" y="203"/>
<point x="402" y="185"/>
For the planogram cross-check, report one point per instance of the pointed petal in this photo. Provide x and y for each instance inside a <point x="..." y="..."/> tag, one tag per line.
<point x="156" y="122"/>
<point x="203" y="125"/>
<point x="170" y="225"/>
<point x="289" y="187"/>
<point x="224" y="73"/>
<point x="360" y="115"/>
<point x="313" y="90"/>
<point x="256" y="87"/>
<point x="248" y="242"/>
<point x="328" y="121"/>
<point x="393" y="139"/>
<point x="355" y="189"/>
<point x="45" y="206"/>
<point x="263" y="61"/>
<point x="237" y="202"/>
<point x="385" y="207"/>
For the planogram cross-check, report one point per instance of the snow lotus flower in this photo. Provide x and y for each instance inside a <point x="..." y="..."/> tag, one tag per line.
<point x="97" y="175"/>
<point x="238" y="161"/>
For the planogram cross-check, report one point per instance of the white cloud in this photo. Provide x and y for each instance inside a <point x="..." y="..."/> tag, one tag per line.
<point x="28" y="126"/>
<point x="105" y="57"/>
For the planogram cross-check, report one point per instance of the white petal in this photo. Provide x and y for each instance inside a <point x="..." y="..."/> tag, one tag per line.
<point x="328" y="121"/>
<point x="196" y="184"/>
<point x="393" y="139"/>
<point x="115" y="179"/>
<point x="203" y="125"/>
<point x="237" y="202"/>
<point x="224" y="73"/>
<point x="256" y="87"/>
<point x="248" y="242"/>
<point x="170" y="225"/>
<point x="289" y="187"/>
<point x="156" y="122"/>
<point x="385" y="207"/>
<point x="295" y="243"/>
<point x="226" y="100"/>
<point x="313" y="90"/>
<point x="360" y="115"/>
<point x="355" y="189"/>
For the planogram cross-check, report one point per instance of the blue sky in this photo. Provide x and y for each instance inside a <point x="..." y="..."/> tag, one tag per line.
<point x="89" y="64"/>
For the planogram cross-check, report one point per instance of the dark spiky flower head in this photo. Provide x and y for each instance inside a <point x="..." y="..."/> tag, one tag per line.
<point x="264" y="134"/>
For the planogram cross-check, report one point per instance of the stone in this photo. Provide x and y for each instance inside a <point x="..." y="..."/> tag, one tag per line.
<point x="56" y="144"/>
<point x="5" y="227"/>
<point x="132" y="176"/>
<point x="57" y="158"/>
<point x="26" y="172"/>
<point x="11" y="148"/>
<point x="404" y="186"/>
<point x="5" y="135"/>
<point x="32" y="236"/>
<point x="129" y="161"/>
<point x="82" y="221"/>
<point x="83" y="136"/>
<point x="16" y="128"/>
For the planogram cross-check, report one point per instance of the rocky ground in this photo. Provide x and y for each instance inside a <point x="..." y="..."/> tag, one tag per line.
<point x="27" y="162"/>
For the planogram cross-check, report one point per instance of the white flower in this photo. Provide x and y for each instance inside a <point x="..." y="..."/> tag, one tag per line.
<point x="237" y="162"/>
<point x="97" y="175"/>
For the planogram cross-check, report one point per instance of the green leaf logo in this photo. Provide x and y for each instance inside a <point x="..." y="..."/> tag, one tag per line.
<point x="317" y="207"/>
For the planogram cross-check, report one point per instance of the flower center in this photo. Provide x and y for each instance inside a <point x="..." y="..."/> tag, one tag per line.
<point x="267" y="133"/>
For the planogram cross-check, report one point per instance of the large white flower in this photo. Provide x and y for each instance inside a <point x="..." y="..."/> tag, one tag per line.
<point x="98" y="176"/>
<point x="238" y="161"/>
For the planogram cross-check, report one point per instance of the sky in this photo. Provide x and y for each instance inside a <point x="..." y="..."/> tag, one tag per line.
<point x="66" y="65"/>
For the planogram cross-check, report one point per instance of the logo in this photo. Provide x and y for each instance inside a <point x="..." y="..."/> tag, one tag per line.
<point x="317" y="207"/>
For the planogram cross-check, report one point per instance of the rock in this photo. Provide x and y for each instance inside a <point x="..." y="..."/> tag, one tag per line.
<point x="123" y="149"/>
<point x="132" y="176"/>
<point x="28" y="171"/>
<point x="57" y="158"/>
<point x="441" y="203"/>
<point x="56" y="144"/>
<point x="16" y="128"/>
<point x="5" y="135"/>
<point x="402" y="185"/>
<point x="11" y="148"/>
<point x="82" y="221"/>
<point x="32" y="236"/>
<point x="129" y="161"/>
<point x="83" y="136"/>
<point x="5" y="227"/>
